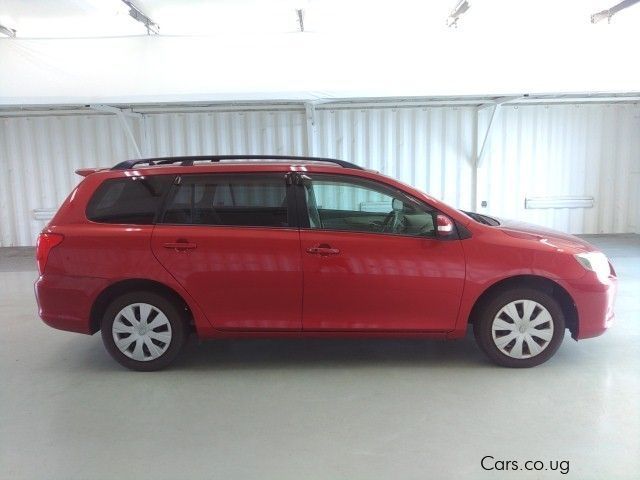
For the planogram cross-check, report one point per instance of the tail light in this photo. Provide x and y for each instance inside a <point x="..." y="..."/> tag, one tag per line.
<point x="46" y="241"/>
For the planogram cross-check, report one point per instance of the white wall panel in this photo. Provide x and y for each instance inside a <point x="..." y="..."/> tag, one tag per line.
<point x="430" y="148"/>
<point x="38" y="157"/>
<point x="548" y="150"/>
<point x="40" y="154"/>
<point x="540" y="150"/>
<point x="280" y="132"/>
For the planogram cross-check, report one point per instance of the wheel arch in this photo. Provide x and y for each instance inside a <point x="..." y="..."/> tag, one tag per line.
<point x="116" y="289"/>
<point x="537" y="282"/>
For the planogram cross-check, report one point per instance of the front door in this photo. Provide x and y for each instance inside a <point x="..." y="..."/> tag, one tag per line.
<point x="372" y="261"/>
<point x="227" y="240"/>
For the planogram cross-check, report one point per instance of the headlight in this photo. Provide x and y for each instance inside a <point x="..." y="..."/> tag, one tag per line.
<point x="596" y="262"/>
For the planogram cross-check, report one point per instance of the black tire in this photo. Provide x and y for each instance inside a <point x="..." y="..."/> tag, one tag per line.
<point x="483" y="330"/>
<point x="178" y="330"/>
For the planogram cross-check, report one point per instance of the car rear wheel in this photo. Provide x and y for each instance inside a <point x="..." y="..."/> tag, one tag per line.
<point x="143" y="330"/>
<point x="522" y="327"/>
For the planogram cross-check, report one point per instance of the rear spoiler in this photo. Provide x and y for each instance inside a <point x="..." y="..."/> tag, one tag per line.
<point x="85" y="172"/>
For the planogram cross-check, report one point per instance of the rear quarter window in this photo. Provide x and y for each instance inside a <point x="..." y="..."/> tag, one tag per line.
<point x="132" y="200"/>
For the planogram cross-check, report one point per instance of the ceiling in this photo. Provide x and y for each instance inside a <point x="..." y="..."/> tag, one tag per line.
<point x="93" y="51"/>
<point x="100" y="18"/>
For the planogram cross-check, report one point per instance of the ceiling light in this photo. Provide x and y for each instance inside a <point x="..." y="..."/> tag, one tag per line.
<point x="596" y="17"/>
<point x="138" y="15"/>
<point x="300" y="14"/>
<point x="9" y="32"/>
<point x="454" y="16"/>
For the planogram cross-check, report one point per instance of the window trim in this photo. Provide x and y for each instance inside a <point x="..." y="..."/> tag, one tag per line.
<point x="292" y="219"/>
<point x="304" y="216"/>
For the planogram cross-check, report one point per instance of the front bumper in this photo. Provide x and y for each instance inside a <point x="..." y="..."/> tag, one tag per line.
<point x="594" y="300"/>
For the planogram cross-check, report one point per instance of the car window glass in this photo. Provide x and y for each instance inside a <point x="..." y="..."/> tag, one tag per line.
<point x="132" y="200"/>
<point x="350" y="204"/>
<point x="255" y="200"/>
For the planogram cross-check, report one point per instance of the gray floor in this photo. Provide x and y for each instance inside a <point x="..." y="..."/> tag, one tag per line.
<point x="314" y="409"/>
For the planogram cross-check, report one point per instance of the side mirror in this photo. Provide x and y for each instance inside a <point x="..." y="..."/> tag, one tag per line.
<point x="445" y="227"/>
<point x="397" y="205"/>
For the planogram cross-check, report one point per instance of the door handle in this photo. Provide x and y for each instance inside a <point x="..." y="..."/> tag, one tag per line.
<point x="323" y="249"/>
<point x="178" y="246"/>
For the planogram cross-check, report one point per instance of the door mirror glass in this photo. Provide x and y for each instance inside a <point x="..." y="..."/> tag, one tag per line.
<point x="445" y="226"/>
<point x="397" y="205"/>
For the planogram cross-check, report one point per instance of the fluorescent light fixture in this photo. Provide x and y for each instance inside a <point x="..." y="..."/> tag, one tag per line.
<point x="461" y="7"/>
<point x="138" y="15"/>
<point x="375" y="207"/>
<point x="300" y="15"/>
<point x="9" y="32"/>
<point x="596" y="17"/>
<point x="44" y="214"/>
<point x="559" y="202"/>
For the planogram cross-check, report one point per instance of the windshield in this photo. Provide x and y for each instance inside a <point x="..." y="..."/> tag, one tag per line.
<point x="484" y="219"/>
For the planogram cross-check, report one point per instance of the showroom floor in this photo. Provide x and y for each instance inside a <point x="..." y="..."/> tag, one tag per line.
<point x="325" y="409"/>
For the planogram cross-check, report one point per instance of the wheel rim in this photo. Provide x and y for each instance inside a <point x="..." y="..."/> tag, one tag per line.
<point x="141" y="332"/>
<point x="522" y="329"/>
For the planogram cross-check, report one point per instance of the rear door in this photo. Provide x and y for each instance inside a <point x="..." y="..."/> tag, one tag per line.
<point x="232" y="244"/>
<point x="372" y="261"/>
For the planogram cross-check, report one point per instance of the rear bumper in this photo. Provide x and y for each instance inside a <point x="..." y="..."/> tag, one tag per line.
<point x="594" y="301"/>
<point x="65" y="302"/>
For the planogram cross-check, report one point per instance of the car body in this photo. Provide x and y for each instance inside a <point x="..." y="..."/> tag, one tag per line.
<point x="297" y="247"/>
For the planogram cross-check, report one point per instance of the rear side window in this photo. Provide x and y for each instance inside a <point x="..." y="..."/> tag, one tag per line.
<point x="133" y="200"/>
<point x="250" y="200"/>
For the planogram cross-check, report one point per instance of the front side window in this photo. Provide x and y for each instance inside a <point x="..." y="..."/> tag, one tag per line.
<point x="250" y="200"/>
<point x="130" y="200"/>
<point x="358" y="205"/>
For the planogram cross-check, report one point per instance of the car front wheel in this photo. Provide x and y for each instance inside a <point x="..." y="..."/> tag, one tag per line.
<point x="143" y="331"/>
<point x="521" y="327"/>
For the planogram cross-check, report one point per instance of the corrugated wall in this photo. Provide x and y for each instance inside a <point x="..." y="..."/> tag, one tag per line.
<point x="541" y="150"/>
<point x="40" y="154"/>
<point x="549" y="150"/>
<point x="281" y="132"/>
<point x="430" y="148"/>
<point x="38" y="157"/>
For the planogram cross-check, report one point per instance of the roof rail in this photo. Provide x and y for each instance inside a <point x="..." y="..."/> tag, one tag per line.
<point x="188" y="161"/>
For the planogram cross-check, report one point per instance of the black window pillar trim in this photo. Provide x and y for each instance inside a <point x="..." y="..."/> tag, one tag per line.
<point x="168" y="196"/>
<point x="292" y="201"/>
<point x="296" y="189"/>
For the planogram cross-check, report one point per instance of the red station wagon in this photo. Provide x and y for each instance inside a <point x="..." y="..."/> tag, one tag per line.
<point x="239" y="246"/>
